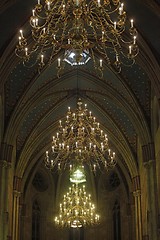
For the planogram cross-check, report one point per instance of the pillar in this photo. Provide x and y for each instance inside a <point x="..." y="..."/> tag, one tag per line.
<point x="132" y="235"/>
<point x="5" y="163"/>
<point x="16" y="208"/>
<point x="137" y="200"/>
<point x="149" y="163"/>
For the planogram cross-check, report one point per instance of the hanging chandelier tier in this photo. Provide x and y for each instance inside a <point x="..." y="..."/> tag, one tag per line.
<point x="76" y="210"/>
<point x="81" y="29"/>
<point x="80" y="141"/>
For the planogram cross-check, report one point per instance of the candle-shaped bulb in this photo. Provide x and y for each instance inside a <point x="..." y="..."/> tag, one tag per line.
<point x="109" y="151"/>
<point x="26" y="51"/>
<point x="115" y="24"/>
<point x="100" y="62"/>
<point x="33" y="12"/>
<point x="59" y="62"/>
<point x="42" y="58"/>
<point x="36" y="21"/>
<point x="120" y="11"/>
<point x="131" y="23"/>
<point x="94" y="167"/>
<point x="122" y="5"/>
<point x="130" y="49"/>
<point x="21" y="33"/>
<point x="20" y="38"/>
<point x="48" y="3"/>
<point x="117" y="59"/>
<point x="59" y="166"/>
<point x="134" y="40"/>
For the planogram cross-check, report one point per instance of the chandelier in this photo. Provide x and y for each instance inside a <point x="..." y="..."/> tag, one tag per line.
<point x="81" y="30"/>
<point x="76" y="210"/>
<point x="80" y="141"/>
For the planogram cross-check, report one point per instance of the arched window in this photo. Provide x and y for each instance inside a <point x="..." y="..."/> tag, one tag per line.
<point x="116" y="221"/>
<point x="35" y="221"/>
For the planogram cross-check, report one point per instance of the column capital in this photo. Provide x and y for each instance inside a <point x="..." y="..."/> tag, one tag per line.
<point x="6" y="152"/>
<point x="137" y="193"/>
<point x="148" y="152"/>
<point x="17" y="184"/>
<point x="3" y="163"/>
<point x="136" y="183"/>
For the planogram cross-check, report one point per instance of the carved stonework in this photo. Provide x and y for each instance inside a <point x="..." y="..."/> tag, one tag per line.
<point x="3" y="164"/>
<point x="137" y="193"/>
<point x="6" y="152"/>
<point x="136" y="184"/>
<point x="148" y="152"/>
<point x="17" y="184"/>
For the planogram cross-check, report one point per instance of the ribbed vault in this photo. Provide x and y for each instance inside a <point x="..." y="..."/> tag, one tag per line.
<point x="34" y="103"/>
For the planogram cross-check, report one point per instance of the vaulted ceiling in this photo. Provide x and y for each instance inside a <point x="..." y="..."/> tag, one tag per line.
<point x="121" y="102"/>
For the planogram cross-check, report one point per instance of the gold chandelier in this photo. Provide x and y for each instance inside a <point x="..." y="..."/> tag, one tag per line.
<point x="80" y="29"/>
<point x="80" y="141"/>
<point x="76" y="210"/>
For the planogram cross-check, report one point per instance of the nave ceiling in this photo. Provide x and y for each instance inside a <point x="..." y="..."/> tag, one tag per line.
<point x="34" y="103"/>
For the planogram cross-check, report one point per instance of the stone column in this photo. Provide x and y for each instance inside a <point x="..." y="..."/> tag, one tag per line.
<point x="16" y="203"/>
<point x="149" y="163"/>
<point x="138" y="214"/>
<point x="132" y="235"/>
<point x="22" y="215"/>
<point x="5" y="163"/>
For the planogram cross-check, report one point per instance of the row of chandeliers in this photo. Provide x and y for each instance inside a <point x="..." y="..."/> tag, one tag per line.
<point x="79" y="30"/>
<point x="79" y="143"/>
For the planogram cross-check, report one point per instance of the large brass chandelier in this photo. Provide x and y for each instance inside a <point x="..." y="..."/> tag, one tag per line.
<point x="80" y="141"/>
<point x="76" y="210"/>
<point x="81" y="30"/>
